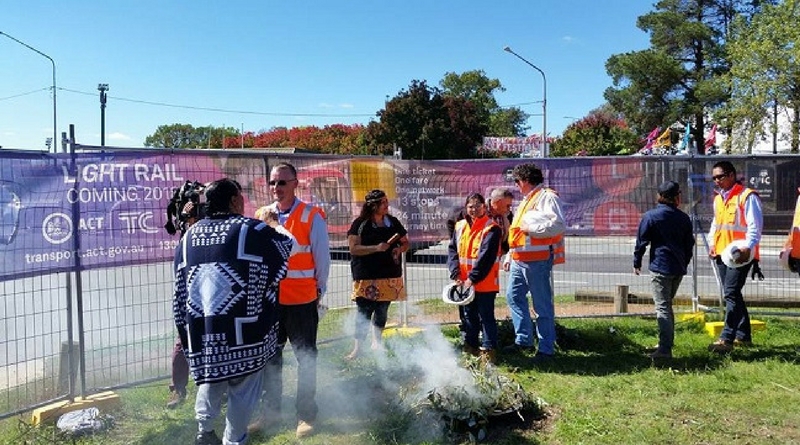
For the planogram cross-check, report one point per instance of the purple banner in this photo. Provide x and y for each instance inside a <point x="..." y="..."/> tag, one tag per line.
<point x="109" y="209"/>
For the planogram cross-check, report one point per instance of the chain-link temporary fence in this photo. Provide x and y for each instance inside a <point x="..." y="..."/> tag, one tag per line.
<point x="87" y="279"/>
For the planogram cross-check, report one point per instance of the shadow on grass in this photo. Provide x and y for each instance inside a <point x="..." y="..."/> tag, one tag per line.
<point x="175" y="432"/>
<point x="601" y="348"/>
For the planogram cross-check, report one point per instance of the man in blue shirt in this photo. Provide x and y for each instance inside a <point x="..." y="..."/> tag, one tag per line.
<point x="669" y="233"/>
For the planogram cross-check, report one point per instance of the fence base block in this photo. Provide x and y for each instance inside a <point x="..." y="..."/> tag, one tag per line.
<point x="699" y="317"/>
<point x="714" y="328"/>
<point x="103" y="401"/>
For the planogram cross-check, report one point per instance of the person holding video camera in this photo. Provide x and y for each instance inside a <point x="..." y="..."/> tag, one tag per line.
<point x="185" y="208"/>
<point x="377" y="242"/>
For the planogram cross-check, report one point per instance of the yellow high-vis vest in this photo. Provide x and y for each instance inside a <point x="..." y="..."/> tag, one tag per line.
<point x="793" y="240"/>
<point x="729" y="217"/>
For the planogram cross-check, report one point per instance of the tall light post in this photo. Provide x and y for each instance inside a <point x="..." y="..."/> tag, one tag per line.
<point x="545" y="149"/>
<point x="55" y="124"/>
<point x="102" y="88"/>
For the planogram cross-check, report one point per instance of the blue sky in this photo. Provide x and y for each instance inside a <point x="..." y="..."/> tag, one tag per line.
<point x="291" y="63"/>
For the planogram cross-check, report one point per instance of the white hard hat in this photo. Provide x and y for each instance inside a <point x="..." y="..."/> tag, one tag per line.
<point x="786" y="261"/>
<point x="783" y="258"/>
<point x="455" y="293"/>
<point x="731" y="254"/>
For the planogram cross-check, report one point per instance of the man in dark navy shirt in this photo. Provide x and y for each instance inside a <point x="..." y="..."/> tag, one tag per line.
<point x="669" y="233"/>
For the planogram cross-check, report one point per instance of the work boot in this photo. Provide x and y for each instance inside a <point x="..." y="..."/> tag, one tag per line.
<point x="720" y="347"/>
<point x="470" y="350"/>
<point x="264" y="421"/>
<point x="207" y="438"/>
<point x="176" y="398"/>
<point x="488" y="356"/>
<point x="304" y="429"/>
<point x="660" y="355"/>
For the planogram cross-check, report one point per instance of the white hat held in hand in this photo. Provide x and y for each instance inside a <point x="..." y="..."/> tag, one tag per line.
<point x="731" y="254"/>
<point x="455" y="293"/>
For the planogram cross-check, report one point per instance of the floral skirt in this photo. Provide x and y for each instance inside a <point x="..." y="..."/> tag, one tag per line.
<point x="381" y="289"/>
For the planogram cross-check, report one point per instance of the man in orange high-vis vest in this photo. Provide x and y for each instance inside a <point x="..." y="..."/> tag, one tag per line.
<point x="299" y="297"/>
<point x="536" y="239"/>
<point x="474" y="261"/>
<point x="737" y="216"/>
<point x="791" y="249"/>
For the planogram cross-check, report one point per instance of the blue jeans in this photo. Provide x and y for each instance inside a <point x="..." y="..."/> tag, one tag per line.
<point x="479" y="316"/>
<point x="533" y="277"/>
<point x="664" y="289"/>
<point x="737" y="319"/>
<point x="243" y="393"/>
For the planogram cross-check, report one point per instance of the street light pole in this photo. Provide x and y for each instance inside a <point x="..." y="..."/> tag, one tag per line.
<point x="55" y="124"/>
<point x="545" y="149"/>
<point x="102" y="88"/>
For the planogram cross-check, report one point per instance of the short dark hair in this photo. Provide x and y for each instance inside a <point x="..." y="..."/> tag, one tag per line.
<point x="220" y="193"/>
<point x="726" y="166"/>
<point x="528" y="172"/>
<point x="287" y="166"/>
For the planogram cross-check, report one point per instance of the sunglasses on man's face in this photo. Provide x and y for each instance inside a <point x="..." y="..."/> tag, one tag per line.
<point x="279" y="183"/>
<point x="720" y="177"/>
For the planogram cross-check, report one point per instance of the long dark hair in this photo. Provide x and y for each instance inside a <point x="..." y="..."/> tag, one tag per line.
<point x="371" y="203"/>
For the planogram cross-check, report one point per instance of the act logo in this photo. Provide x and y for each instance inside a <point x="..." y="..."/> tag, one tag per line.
<point x="57" y="228"/>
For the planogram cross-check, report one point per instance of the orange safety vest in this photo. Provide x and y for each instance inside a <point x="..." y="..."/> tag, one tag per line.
<point x="300" y="284"/>
<point x="527" y="248"/>
<point x="469" y="243"/>
<point x="730" y="220"/>
<point x="793" y="240"/>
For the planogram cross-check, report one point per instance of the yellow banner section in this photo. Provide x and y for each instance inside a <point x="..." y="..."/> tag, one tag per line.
<point x="367" y="175"/>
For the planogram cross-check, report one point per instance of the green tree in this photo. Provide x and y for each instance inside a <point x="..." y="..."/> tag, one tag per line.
<point x="188" y="136"/>
<point x="426" y="125"/>
<point x="678" y="77"/>
<point x="601" y="133"/>
<point x="475" y="87"/>
<point x="765" y="75"/>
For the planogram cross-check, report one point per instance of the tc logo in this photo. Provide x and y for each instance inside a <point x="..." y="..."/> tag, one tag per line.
<point x="762" y="179"/>
<point x="135" y="221"/>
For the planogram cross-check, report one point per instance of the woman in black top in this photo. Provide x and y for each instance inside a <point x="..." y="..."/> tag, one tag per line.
<point x="377" y="241"/>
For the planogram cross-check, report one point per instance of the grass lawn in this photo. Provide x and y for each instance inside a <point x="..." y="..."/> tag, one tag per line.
<point x="601" y="389"/>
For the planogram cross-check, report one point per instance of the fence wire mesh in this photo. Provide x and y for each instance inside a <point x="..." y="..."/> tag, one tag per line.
<point x="87" y="274"/>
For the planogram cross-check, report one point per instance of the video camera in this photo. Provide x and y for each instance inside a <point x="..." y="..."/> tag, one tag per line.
<point x="190" y="191"/>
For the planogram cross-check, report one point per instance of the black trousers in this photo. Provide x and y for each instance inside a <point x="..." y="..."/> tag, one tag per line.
<point x="297" y="324"/>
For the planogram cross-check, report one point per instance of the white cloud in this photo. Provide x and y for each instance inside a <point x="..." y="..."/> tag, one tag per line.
<point x="325" y="105"/>
<point x="119" y="136"/>
<point x="569" y="39"/>
<point x="346" y="105"/>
